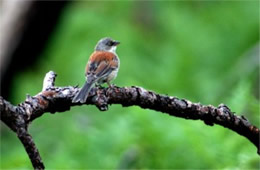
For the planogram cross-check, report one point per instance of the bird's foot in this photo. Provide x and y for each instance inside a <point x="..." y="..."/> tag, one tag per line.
<point x="111" y="85"/>
<point x="98" y="85"/>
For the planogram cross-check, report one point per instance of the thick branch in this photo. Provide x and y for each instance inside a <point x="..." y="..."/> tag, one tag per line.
<point x="30" y="148"/>
<point x="58" y="99"/>
<point x="14" y="117"/>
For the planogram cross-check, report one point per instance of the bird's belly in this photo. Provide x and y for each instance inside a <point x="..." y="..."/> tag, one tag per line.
<point x="108" y="78"/>
<point x="112" y="75"/>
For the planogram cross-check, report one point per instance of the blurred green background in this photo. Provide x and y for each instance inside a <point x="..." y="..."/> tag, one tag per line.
<point x="206" y="52"/>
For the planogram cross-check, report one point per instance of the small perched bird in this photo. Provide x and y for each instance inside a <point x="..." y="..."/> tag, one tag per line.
<point x="102" y="67"/>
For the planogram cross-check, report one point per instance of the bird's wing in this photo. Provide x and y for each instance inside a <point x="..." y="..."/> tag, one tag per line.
<point x="101" y="64"/>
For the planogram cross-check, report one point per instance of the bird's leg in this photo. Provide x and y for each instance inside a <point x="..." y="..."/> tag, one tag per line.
<point x="98" y="85"/>
<point x="110" y="85"/>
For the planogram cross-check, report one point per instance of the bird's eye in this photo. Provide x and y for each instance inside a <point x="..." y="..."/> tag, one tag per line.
<point x="110" y="43"/>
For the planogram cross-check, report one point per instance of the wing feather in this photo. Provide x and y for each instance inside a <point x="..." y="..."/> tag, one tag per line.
<point x="100" y="64"/>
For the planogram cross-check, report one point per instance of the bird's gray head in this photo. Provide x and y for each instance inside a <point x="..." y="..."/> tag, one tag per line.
<point x="107" y="44"/>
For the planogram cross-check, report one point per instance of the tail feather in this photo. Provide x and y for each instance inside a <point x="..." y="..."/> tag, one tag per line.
<point x="83" y="93"/>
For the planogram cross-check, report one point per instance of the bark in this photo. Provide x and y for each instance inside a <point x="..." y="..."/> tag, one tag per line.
<point x="59" y="99"/>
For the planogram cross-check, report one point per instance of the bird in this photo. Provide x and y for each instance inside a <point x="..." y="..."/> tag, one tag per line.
<point x="102" y="67"/>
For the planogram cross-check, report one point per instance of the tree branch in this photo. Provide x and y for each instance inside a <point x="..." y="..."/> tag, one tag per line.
<point x="58" y="99"/>
<point x="15" y="118"/>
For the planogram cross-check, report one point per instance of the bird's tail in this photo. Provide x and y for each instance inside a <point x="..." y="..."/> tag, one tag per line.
<point x="83" y="93"/>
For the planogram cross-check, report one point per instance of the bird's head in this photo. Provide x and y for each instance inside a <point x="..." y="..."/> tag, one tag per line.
<point x="107" y="44"/>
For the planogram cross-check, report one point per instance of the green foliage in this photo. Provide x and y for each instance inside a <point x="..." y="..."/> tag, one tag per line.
<point x="195" y="50"/>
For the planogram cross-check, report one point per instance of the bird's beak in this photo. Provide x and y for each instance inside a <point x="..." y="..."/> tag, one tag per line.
<point x="115" y="43"/>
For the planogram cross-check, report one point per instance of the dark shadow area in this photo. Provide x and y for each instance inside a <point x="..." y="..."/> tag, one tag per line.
<point x="38" y="24"/>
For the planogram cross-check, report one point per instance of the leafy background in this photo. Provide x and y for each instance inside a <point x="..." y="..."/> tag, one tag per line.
<point x="203" y="51"/>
